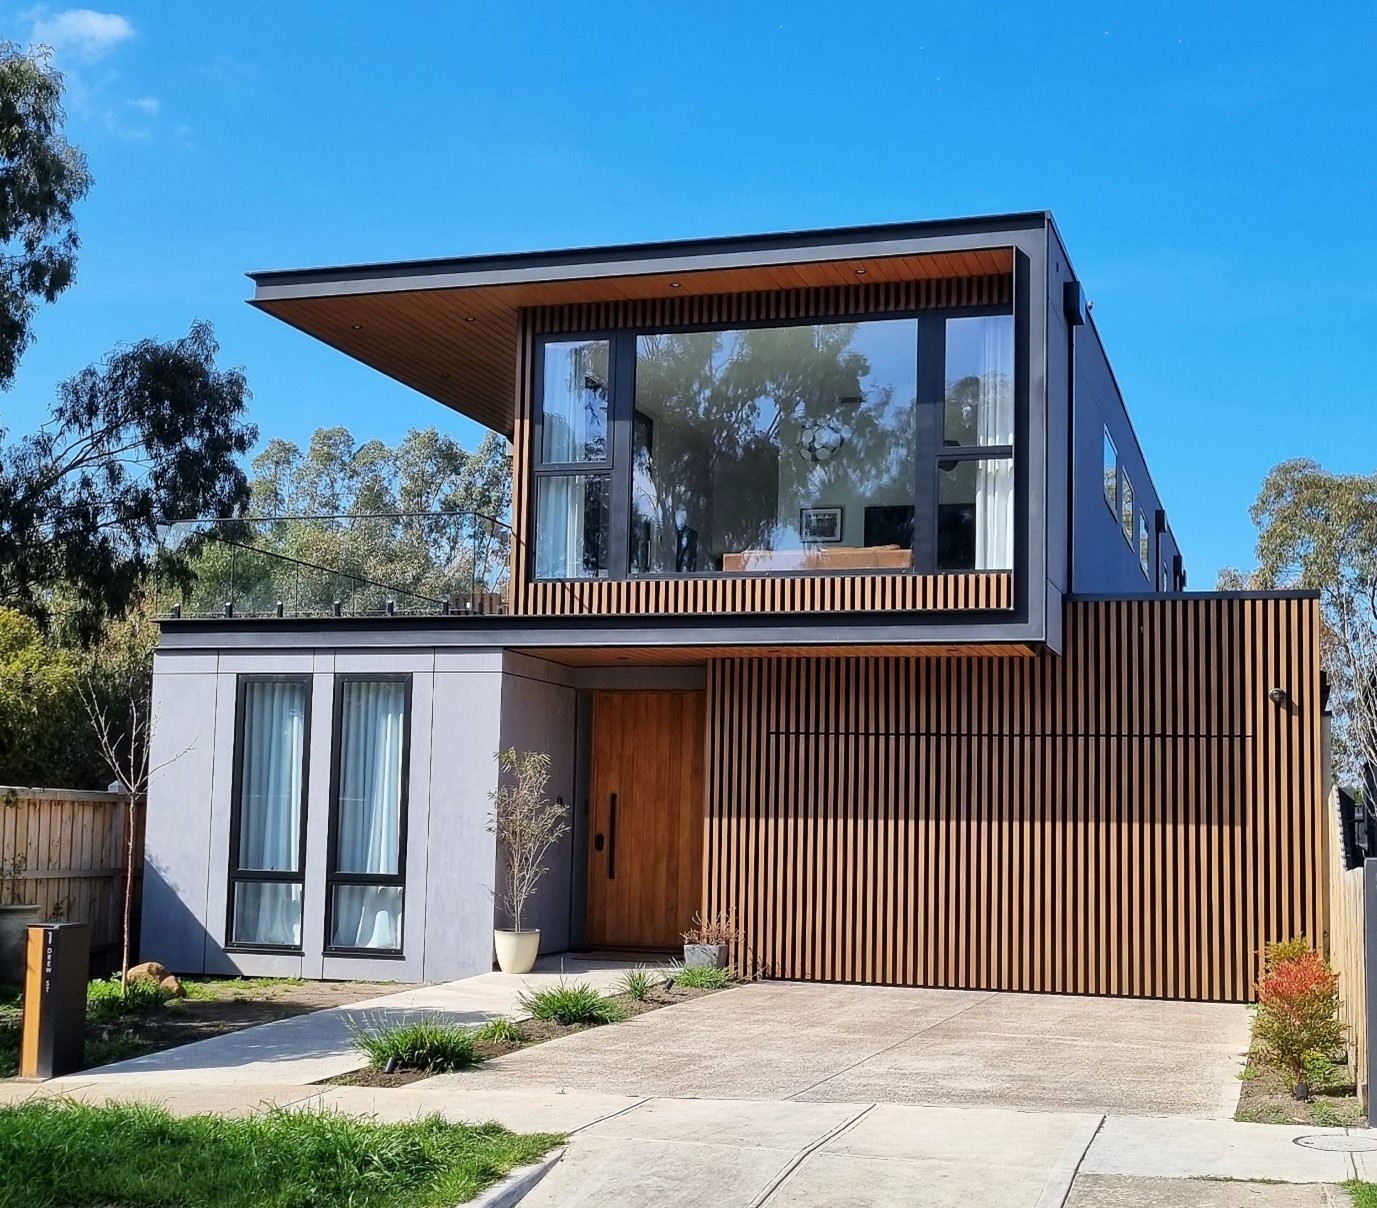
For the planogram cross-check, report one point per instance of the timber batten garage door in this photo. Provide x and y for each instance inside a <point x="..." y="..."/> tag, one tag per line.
<point x="1136" y="816"/>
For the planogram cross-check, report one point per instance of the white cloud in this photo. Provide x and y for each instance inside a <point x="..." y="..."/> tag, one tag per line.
<point x="147" y="105"/>
<point x="82" y="31"/>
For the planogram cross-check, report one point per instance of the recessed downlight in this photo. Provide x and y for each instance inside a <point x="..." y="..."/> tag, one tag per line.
<point x="471" y="319"/>
<point x="358" y="326"/>
<point x="860" y="272"/>
<point x="674" y="285"/>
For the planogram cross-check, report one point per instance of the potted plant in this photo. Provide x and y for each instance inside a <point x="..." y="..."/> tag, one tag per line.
<point x="527" y="824"/>
<point x="16" y="917"/>
<point x="708" y="944"/>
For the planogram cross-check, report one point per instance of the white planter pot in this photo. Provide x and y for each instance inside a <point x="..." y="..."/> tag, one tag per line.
<point x="705" y="956"/>
<point x="15" y="922"/>
<point x="516" y="950"/>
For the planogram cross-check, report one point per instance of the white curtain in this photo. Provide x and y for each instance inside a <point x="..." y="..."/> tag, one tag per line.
<point x="274" y="741"/>
<point x="574" y="404"/>
<point x="996" y="405"/>
<point x="994" y="514"/>
<point x="994" y="479"/>
<point x="368" y="825"/>
<point x="560" y="510"/>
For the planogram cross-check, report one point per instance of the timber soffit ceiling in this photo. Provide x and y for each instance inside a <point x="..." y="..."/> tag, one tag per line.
<point x="448" y="328"/>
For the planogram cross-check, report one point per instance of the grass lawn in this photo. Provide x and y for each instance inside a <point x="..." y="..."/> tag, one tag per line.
<point x="68" y="1155"/>
<point x="1364" y="1194"/>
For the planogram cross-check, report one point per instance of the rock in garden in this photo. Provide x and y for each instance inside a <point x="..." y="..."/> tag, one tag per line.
<point x="148" y="971"/>
<point x="172" y="987"/>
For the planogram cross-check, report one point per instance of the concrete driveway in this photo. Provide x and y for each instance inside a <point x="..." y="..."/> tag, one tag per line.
<point x="864" y="1044"/>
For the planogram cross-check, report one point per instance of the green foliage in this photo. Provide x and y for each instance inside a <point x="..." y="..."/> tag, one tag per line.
<point x="1284" y="950"/>
<point x="385" y="546"/>
<point x="39" y="706"/>
<point x="703" y="978"/>
<point x="105" y="1001"/>
<point x="568" y="1004"/>
<point x="46" y="736"/>
<point x="154" y="432"/>
<point x="427" y="1044"/>
<point x="501" y="1030"/>
<point x="42" y="177"/>
<point x="638" y="983"/>
<point x="1319" y="530"/>
<point x="82" y="1156"/>
<point x="1364" y="1194"/>
<point x="1297" y="1014"/>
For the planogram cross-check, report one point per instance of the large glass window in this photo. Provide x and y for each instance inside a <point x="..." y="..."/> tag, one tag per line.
<point x="368" y="814"/>
<point x="805" y="447"/>
<point x="266" y="848"/>
<point x="775" y="448"/>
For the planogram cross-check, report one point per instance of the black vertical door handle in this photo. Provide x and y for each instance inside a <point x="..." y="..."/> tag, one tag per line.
<point x="612" y="838"/>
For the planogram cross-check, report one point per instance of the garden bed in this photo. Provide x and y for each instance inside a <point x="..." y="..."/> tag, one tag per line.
<point x="213" y="1007"/>
<point x="533" y="1032"/>
<point x="1266" y="1099"/>
<point x="69" y="1153"/>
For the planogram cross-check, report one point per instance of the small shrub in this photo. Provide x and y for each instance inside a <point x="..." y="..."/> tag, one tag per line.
<point x="1297" y="1013"/>
<point x="703" y="978"/>
<point x="427" y="1044"/>
<point x="1284" y="950"/>
<point x="501" y="1030"/>
<point x="105" y="1001"/>
<point x="638" y="983"/>
<point x="570" y="1004"/>
<point x="719" y="929"/>
<point x="1319" y="1069"/>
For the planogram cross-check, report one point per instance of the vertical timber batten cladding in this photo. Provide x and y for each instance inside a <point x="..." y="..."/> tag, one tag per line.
<point x="903" y="592"/>
<point x="1134" y="817"/>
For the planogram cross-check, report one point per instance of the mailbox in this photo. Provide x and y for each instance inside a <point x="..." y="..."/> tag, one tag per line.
<point x="56" y="970"/>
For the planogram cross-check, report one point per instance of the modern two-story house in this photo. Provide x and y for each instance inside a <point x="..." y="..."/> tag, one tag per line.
<point x="841" y="598"/>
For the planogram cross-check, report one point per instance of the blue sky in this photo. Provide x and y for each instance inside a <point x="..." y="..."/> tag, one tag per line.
<point x="1212" y="168"/>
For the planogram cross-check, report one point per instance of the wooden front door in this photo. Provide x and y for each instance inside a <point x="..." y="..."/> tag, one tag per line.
<point x="645" y="836"/>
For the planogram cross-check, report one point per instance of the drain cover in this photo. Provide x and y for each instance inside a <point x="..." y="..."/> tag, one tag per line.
<point x="1335" y="1143"/>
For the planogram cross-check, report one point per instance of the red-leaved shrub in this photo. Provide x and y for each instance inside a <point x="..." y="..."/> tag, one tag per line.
<point x="1297" y="1012"/>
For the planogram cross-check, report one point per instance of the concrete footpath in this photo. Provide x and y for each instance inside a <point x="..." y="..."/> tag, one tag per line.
<point x="802" y="1095"/>
<point x="741" y="1153"/>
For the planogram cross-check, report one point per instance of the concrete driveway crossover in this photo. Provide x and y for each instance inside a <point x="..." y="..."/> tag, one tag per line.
<point x="865" y="1044"/>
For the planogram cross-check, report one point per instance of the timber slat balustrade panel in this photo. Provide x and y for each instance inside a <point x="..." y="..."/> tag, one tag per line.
<point x="897" y="592"/>
<point x="1133" y="817"/>
<point x="984" y="591"/>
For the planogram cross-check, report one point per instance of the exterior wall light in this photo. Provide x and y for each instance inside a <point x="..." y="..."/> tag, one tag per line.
<point x="1278" y="696"/>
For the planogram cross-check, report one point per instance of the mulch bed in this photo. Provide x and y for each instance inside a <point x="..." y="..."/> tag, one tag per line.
<point x="240" y="1004"/>
<point x="1266" y="1099"/>
<point x="533" y="1031"/>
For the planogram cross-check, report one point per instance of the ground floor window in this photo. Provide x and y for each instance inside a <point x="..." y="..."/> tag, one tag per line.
<point x="366" y="885"/>
<point x="267" y="846"/>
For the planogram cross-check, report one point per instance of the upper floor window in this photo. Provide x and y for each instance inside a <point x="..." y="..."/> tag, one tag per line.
<point x="1144" y="546"/>
<point x="267" y="827"/>
<point x="573" y="474"/>
<point x="778" y="448"/>
<point x="1111" y="473"/>
<point x="774" y="448"/>
<point x="1126" y="506"/>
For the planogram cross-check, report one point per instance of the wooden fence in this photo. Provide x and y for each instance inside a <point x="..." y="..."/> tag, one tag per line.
<point x="71" y="847"/>
<point x="1347" y="946"/>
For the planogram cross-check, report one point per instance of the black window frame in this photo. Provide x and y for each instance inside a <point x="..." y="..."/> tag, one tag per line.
<point x="332" y="876"/>
<point x="236" y="874"/>
<point x="929" y="425"/>
<point x="603" y="468"/>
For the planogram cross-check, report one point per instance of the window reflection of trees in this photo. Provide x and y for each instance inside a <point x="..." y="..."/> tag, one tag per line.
<point x="717" y="467"/>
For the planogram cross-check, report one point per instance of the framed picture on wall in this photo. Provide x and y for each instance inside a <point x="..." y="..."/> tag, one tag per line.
<point x="820" y="524"/>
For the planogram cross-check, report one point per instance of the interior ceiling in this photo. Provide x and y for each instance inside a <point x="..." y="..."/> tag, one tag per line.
<point x="459" y="345"/>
